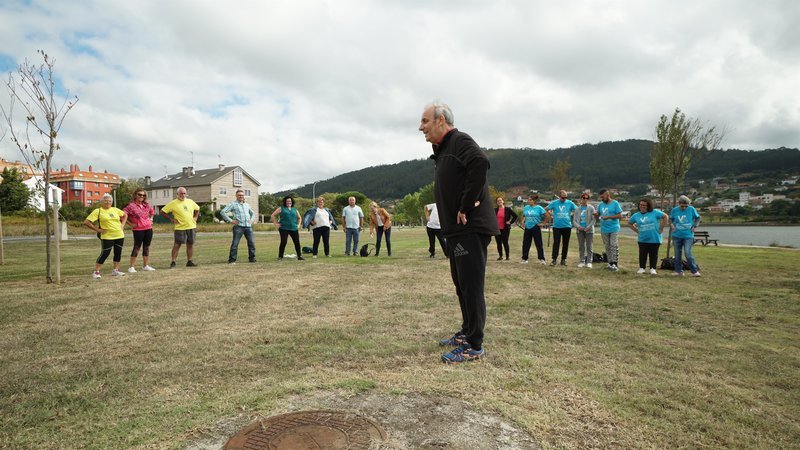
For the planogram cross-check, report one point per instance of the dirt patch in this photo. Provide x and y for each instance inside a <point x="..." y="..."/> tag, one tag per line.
<point x="411" y="421"/>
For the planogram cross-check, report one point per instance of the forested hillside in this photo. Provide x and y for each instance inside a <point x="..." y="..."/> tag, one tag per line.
<point x="594" y="165"/>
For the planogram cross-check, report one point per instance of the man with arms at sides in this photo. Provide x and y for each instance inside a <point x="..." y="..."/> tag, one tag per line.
<point x="184" y="215"/>
<point x="353" y="220"/>
<point x="468" y="222"/>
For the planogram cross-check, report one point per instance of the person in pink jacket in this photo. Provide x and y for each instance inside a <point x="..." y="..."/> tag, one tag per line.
<point x="140" y="216"/>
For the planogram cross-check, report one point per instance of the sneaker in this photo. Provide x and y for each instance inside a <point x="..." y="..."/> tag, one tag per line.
<point x="553" y="263"/>
<point x="453" y="341"/>
<point x="252" y="260"/>
<point x="614" y="268"/>
<point x="148" y="268"/>
<point x="314" y="257"/>
<point x="499" y="258"/>
<point x="463" y="353"/>
<point x="696" y="274"/>
<point x="117" y="273"/>
<point x="300" y="258"/>
<point x="172" y="265"/>
<point x="640" y="271"/>
<point x="543" y="262"/>
<point x="524" y="261"/>
<point x="131" y="269"/>
<point x="563" y="262"/>
<point x="231" y="263"/>
<point x="189" y="263"/>
<point x="676" y="274"/>
<point x="327" y="256"/>
<point x="588" y="265"/>
<point x="433" y="255"/>
<point x="581" y="265"/>
<point x="96" y="275"/>
<point x="653" y="272"/>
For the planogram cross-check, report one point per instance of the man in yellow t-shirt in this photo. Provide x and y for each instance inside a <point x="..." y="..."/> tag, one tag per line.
<point x="184" y="215"/>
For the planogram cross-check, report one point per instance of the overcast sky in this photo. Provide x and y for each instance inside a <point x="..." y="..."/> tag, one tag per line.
<point x="298" y="91"/>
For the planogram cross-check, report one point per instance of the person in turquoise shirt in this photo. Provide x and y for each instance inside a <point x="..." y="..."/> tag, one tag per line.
<point x="288" y="225"/>
<point x="560" y="211"/>
<point x="609" y="212"/>
<point x="533" y="217"/>
<point x="648" y="224"/>
<point x="684" y="219"/>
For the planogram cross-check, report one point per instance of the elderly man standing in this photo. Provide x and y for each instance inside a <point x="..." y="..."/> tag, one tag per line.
<point x="184" y="215"/>
<point x="242" y="221"/>
<point x="468" y="223"/>
<point x="353" y="220"/>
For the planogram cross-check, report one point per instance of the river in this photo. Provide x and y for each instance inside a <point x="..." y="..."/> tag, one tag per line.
<point x="767" y="235"/>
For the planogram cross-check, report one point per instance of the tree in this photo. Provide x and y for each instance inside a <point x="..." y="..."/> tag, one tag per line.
<point x="559" y="177"/>
<point x="14" y="195"/>
<point x="679" y="143"/>
<point x="123" y="194"/>
<point x="74" y="211"/>
<point x="35" y="88"/>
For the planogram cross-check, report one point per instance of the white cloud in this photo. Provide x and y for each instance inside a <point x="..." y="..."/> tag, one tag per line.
<point x="297" y="91"/>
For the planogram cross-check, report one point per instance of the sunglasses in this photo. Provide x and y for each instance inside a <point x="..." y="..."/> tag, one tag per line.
<point x="141" y="195"/>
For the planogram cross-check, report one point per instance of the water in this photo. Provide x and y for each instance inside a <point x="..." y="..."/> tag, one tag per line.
<point x="747" y="235"/>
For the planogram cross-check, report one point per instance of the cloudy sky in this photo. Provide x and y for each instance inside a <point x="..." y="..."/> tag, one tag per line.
<point x="297" y="91"/>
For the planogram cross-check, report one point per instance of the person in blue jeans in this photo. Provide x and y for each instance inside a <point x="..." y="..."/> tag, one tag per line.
<point x="684" y="218"/>
<point x="648" y="224"/>
<point x="353" y="220"/>
<point x="242" y="222"/>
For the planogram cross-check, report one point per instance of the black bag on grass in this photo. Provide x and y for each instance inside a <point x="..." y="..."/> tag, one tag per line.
<point x="596" y="257"/>
<point x="365" y="250"/>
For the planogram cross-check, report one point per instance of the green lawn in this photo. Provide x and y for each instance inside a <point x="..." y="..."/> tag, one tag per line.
<point x="578" y="358"/>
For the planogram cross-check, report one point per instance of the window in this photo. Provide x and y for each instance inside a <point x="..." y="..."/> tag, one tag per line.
<point x="105" y="184"/>
<point x="97" y="194"/>
<point x="89" y="202"/>
<point x="88" y="193"/>
<point x="223" y="190"/>
<point x="166" y="193"/>
<point x="247" y="192"/>
<point x="97" y="185"/>
<point x="237" y="177"/>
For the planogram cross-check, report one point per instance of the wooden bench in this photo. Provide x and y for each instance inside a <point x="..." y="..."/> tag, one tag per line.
<point x="703" y="238"/>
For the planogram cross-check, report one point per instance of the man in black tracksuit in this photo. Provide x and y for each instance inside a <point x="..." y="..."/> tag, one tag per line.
<point x="468" y="222"/>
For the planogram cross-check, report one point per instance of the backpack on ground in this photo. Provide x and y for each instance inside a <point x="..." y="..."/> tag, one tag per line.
<point x="365" y="250"/>
<point x="597" y="258"/>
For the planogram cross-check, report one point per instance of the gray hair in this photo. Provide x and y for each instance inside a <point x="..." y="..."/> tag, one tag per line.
<point x="441" y="109"/>
<point x="105" y="196"/>
<point x="684" y="200"/>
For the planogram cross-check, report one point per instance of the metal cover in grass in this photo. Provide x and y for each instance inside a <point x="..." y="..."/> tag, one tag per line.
<point x="309" y="430"/>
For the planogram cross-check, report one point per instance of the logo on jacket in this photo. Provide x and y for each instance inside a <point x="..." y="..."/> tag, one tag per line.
<point x="459" y="250"/>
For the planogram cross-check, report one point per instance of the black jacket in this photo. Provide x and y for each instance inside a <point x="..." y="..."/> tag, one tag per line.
<point x="460" y="182"/>
<point x="511" y="216"/>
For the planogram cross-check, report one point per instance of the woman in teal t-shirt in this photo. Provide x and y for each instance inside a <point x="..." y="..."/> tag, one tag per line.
<point x="288" y="225"/>
<point x="648" y="224"/>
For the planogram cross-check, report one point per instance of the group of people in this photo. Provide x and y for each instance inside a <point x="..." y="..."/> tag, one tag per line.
<point x="648" y="223"/>
<point x="109" y="223"/>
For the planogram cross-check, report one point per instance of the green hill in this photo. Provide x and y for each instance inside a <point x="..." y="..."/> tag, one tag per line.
<point x="594" y="165"/>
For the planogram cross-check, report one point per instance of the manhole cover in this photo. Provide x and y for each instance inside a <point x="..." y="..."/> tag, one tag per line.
<point x="309" y="430"/>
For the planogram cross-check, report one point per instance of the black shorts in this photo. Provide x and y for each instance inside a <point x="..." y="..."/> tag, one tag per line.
<point x="185" y="236"/>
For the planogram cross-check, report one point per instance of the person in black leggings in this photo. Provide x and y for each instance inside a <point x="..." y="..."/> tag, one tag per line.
<point x="648" y="224"/>
<point x="505" y="218"/>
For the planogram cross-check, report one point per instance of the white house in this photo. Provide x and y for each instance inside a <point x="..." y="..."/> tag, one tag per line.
<point x="35" y="185"/>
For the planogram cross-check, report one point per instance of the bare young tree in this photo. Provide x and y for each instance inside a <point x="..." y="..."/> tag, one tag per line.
<point x="559" y="177"/>
<point x="33" y="86"/>
<point x="679" y="142"/>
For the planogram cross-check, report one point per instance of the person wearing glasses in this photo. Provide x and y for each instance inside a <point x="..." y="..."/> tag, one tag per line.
<point x="560" y="212"/>
<point x="583" y="221"/>
<point x="140" y="216"/>
<point x="184" y="216"/>
<point x="242" y="221"/>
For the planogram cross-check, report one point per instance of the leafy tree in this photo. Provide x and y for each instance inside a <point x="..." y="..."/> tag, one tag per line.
<point x="267" y="203"/>
<point x="34" y="87"/>
<point x="74" y="211"/>
<point x="426" y="194"/>
<point x="559" y="177"/>
<point x="124" y="192"/>
<point x="409" y="210"/>
<point x="679" y="142"/>
<point x="14" y="195"/>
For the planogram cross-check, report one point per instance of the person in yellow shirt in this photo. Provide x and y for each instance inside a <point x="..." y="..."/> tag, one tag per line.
<point x="110" y="222"/>
<point x="184" y="215"/>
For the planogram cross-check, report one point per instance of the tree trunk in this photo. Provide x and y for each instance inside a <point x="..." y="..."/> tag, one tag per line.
<point x="2" y="251"/>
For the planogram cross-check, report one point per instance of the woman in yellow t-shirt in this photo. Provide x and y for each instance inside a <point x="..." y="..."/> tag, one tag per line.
<point x="110" y="223"/>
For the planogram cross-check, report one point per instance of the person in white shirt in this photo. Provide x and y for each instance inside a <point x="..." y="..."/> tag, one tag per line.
<point x="434" y="230"/>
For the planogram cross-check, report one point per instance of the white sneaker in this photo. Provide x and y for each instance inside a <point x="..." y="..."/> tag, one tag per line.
<point x="581" y="265"/>
<point x="653" y="272"/>
<point x="148" y="268"/>
<point x="131" y="269"/>
<point x="614" y="268"/>
<point x="524" y="261"/>
<point x="696" y="274"/>
<point x="543" y="262"/>
<point x="314" y="257"/>
<point x="117" y="273"/>
<point x="96" y="275"/>
<point x="640" y="271"/>
<point x="588" y="265"/>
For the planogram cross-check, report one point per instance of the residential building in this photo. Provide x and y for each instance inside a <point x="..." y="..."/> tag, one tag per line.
<point x="54" y="193"/>
<point x="22" y="168"/>
<point x="744" y="197"/>
<point x="87" y="187"/>
<point x="216" y="187"/>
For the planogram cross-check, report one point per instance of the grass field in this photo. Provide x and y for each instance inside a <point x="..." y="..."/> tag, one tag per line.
<point x="577" y="358"/>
